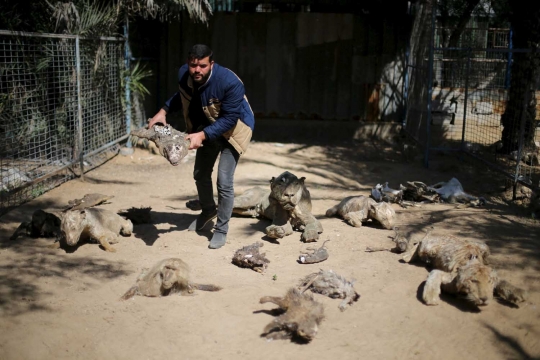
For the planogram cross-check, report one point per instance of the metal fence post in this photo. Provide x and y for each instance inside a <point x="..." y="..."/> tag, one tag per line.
<point x="469" y="54"/>
<point x="127" y="55"/>
<point x="520" y="142"/>
<point x="80" y="144"/>
<point x="430" y="82"/>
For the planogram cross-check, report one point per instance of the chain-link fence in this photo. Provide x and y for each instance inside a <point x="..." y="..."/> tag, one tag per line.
<point x="61" y="110"/>
<point x="479" y="97"/>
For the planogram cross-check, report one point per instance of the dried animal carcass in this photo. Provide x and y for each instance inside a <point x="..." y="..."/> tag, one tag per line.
<point x="460" y="266"/>
<point x="167" y="277"/>
<point x="330" y="284"/>
<point x="43" y="224"/>
<point x="450" y="191"/>
<point x="171" y="143"/>
<point x="300" y="320"/>
<point x="385" y="193"/>
<point x="357" y="210"/>
<point x="315" y="255"/>
<point x="88" y="200"/>
<point x="92" y="223"/>
<point x="249" y="257"/>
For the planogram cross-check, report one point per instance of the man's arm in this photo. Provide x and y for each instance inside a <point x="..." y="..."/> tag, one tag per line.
<point x="231" y="107"/>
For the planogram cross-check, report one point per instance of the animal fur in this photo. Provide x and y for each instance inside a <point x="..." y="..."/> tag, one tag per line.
<point x="287" y="204"/>
<point x="314" y="255"/>
<point x="249" y="257"/>
<point x="300" y="320"/>
<point x="330" y="284"/>
<point x="98" y="224"/>
<point x="357" y="210"/>
<point x="171" y="143"/>
<point x="167" y="277"/>
<point x="43" y="224"/>
<point x="460" y="266"/>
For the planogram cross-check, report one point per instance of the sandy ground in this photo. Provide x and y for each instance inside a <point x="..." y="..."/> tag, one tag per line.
<point x="58" y="304"/>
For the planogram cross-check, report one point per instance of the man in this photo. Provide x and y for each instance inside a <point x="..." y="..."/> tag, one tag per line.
<point x="219" y="121"/>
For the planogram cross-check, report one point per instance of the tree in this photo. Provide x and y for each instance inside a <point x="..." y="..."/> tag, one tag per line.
<point x="524" y="17"/>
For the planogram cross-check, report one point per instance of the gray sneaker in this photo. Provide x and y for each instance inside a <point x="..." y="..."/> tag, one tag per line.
<point x="202" y="220"/>
<point x="218" y="240"/>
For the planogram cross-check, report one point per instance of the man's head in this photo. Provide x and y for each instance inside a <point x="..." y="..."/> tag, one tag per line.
<point x="200" y="63"/>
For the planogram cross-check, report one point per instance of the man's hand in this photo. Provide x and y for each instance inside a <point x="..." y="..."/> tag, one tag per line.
<point x="196" y="140"/>
<point x="160" y="117"/>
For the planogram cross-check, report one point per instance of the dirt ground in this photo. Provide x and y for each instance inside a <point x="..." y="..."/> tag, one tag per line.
<point x="58" y="304"/>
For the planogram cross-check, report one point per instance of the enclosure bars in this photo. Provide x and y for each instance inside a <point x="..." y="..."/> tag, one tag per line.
<point x="79" y="142"/>
<point x="430" y="83"/>
<point x="468" y="73"/>
<point x="127" y="55"/>
<point x="84" y="120"/>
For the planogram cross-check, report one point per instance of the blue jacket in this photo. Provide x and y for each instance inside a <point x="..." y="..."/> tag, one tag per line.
<point x="224" y="104"/>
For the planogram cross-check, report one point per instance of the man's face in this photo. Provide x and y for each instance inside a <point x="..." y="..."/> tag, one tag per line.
<point x="199" y="70"/>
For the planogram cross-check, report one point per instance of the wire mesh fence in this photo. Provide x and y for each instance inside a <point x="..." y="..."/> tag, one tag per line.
<point x="479" y="98"/>
<point x="61" y="110"/>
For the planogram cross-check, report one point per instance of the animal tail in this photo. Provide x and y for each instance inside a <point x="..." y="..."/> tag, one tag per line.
<point x="130" y="293"/>
<point x="332" y="211"/>
<point x="206" y="287"/>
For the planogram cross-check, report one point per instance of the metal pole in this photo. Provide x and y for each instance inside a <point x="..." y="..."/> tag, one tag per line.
<point x="520" y="141"/>
<point x="127" y="57"/>
<point x="509" y="63"/>
<point x="430" y="82"/>
<point x="80" y="145"/>
<point x="406" y="86"/>
<point x="466" y="99"/>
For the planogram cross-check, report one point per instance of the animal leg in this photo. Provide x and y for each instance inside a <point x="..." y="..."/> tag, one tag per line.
<point x="105" y="238"/>
<point x="275" y="300"/>
<point x="311" y="233"/>
<point x="355" y="218"/>
<point x="432" y="288"/>
<point x="278" y="232"/>
<point x="23" y="229"/>
<point x="510" y="293"/>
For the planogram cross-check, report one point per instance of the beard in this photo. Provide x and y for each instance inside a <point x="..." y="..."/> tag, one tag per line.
<point x="202" y="80"/>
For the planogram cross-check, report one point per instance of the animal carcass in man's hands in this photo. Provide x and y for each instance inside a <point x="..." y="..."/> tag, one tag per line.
<point x="330" y="284"/>
<point x="172" y="144"/>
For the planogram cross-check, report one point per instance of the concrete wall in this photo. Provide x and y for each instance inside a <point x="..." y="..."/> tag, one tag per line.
<point x="301" y="65"/>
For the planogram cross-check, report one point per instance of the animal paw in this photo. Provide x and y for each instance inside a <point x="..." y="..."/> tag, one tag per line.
<point x="310" y="235"/>
<point x="276" y="232"/>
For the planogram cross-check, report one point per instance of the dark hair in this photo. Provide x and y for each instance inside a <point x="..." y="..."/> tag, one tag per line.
<point x="200" y="51"/>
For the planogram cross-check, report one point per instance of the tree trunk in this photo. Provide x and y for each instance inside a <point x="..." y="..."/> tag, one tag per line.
<point x="525" y="76"/>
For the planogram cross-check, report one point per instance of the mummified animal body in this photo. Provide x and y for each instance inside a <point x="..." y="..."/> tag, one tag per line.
<point x="300" y="320"/>
<point x="98" y="224"/>
<point x="287" y="204"/>
<point x="249" y="257"/>
<point x="167" y="277"/>
<point x="330" y="284"/>
<point x="314" y="255"/>
<point x="43" y="224"/>
<point x="171" y="143"/>
<point x="460" y="267"/>
<point x="87" y="201"/>
<point x="357" y="210"/>
<point x="450" y="191"/>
